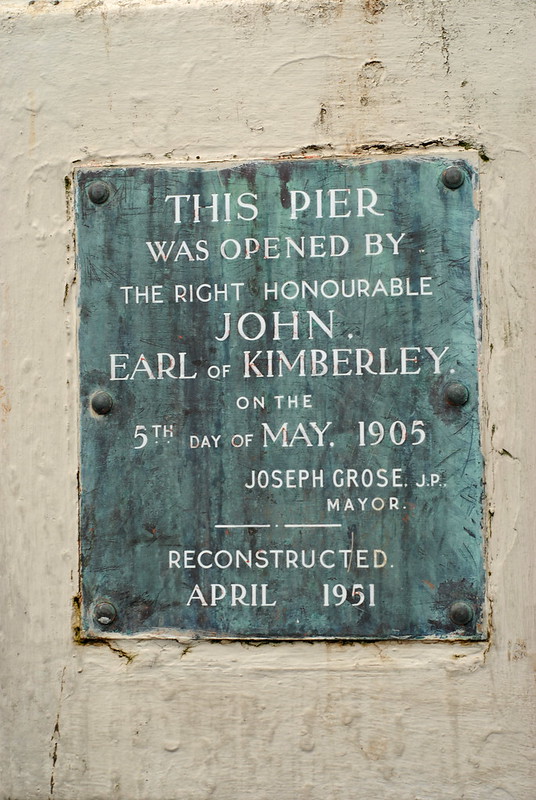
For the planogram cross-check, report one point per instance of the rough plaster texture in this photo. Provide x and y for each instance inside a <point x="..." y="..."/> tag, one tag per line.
<point x="132" y="82"/>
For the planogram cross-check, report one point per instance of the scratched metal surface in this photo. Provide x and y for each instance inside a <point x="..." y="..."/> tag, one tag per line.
<point x="137" y="505"/>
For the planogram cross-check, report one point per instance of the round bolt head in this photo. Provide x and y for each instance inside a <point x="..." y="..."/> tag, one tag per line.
<point x="98" y="192"/>
<point x="105" y="613"/>
<point x="102" y="403"/>
<point x="461" y="613"/>
<point x="453" y="177"/>
<point x="456" y="394"/>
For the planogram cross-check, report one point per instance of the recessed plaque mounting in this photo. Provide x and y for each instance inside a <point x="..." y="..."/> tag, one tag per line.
<point x="279" y="400"/>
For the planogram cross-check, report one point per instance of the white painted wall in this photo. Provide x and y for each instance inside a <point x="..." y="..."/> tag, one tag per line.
<point x="168" y="81"/>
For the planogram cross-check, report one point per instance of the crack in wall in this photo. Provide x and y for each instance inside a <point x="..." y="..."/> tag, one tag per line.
<point x="55" y="738"/>
<point x="115" y="648"/>
<point x="445" y="42"/>
<point x="391" y="148"/>
<point x="445" y="49"/>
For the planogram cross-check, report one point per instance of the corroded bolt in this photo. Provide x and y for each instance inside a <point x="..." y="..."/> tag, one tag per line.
<point x="453" y="177"/>
<point x="456" y="394"/>
<point x="461" y="613"/>
<point x="98" y="192"/>
<point x="102" y="403"/>
<point x="105" y="613"/>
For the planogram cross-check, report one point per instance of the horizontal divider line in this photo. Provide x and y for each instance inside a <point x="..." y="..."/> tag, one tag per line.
<point x="251" y="525"/>
<point x="306" y="525"/>
<point x="292" y="525"/>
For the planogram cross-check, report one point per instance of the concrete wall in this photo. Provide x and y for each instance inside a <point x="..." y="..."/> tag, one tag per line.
<point x="165" y="81"/>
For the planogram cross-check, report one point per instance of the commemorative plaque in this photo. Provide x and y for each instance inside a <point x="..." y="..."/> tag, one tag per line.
<point x="279" y="400"/>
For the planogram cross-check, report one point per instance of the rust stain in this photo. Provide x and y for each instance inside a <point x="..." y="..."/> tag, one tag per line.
<point x="517" y="650"/>
<point x="5" y="404"/>
<point x="373" y="8"/>
<point x="372" y="74"/>
<point x="87" y="7"/>
<point x="150" y="529"/>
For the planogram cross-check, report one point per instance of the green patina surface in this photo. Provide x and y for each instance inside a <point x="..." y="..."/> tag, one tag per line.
<point x="149" y="502"/>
